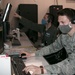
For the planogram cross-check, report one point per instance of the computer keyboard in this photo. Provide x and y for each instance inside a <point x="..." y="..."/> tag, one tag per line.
<point x="18" y="66"/>
<point x="15" y="42"/>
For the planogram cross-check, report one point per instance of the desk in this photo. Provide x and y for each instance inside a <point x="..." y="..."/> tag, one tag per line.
<point x="27" y="45"/>
<point x="37" y="61"/>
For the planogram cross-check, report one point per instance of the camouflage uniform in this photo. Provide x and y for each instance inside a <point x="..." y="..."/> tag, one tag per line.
<point x="67" y="66"/>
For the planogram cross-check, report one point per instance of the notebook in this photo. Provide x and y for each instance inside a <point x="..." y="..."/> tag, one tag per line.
<point x="5" y="65"/>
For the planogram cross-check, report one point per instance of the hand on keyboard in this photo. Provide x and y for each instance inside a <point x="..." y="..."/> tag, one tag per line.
<point x="35" y="70"/>
<point x="18" y="66"/>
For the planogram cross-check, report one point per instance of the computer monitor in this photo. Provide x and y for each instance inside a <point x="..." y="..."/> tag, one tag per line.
<point x="5" y="16"/>
<point x="1" y="40"/>
<point x="5" y="21"/>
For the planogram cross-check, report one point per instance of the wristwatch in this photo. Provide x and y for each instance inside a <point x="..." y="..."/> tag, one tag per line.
<point x="42" y="69"/>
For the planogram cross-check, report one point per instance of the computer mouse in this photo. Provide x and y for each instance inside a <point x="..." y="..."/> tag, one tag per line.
<point x="23" y="54"/>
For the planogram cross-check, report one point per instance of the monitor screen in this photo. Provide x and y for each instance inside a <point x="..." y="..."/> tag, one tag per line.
<point x="5" y="21"/>
<point x="1" y="40"/>
<point x="5" y="16"/>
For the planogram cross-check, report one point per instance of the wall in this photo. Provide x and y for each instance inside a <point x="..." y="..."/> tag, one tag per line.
<point x="43" y="6"/>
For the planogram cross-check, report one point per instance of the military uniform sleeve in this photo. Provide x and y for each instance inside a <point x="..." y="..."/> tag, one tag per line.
<point x="52" y="48"/>
<point x="52" y="69"/>
<point x="31" y="25"/>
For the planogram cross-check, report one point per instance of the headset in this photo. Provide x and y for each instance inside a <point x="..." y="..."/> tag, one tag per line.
<point x="73" y="17"/>
<point x="50" y="18"/>
<point x="71" y="13"/>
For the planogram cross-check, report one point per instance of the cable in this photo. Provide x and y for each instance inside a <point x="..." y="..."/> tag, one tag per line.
<point x="54" y="2"/>
<point x="57" y="2"/>
<point x="0" y="1"/>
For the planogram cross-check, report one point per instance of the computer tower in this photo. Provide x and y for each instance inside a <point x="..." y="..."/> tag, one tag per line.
<point x="29" y="11"/>
<point x="53" y="9"/>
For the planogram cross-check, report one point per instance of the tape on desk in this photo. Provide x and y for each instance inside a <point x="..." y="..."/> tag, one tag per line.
<point x="27" y="47"/>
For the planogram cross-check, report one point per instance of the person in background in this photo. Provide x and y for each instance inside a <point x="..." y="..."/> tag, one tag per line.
<point x="45" y="19"/>
<point x="48" y="31"/>
<point x="66" y="19"/>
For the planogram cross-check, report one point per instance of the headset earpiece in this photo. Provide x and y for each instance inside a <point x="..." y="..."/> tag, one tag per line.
<point x="50" y="18"/>
<point x="73" y="16"/>
<point x="73" y="20"/>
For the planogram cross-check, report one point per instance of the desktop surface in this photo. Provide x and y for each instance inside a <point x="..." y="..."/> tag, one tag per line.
<point x="37" y="61"/>
<point x="26" y="45"/>
<point x="20" y="64"/>
<point x="24" y="40"/>
<point x="15" y="42"/>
